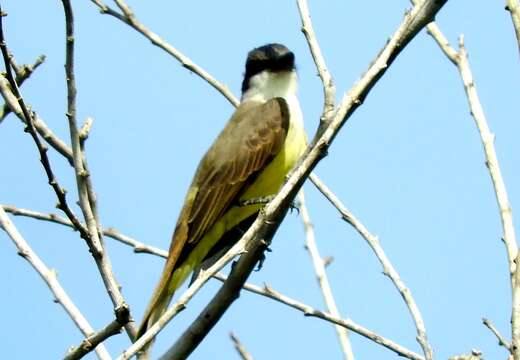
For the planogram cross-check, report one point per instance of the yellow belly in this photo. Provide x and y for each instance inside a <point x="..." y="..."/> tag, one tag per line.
<point x="267" y="183"/>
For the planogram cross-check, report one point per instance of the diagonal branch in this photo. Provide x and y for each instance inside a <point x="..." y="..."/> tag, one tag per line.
<point x="501" y="339"/>
<point x="321" y="275"/>
<point x="307" y="310"/>
<point x="25" y="71"/>
<point x="388" y="268"/>
<point x="138" y="246"/>
<point x="129" y="18"/>
<point x="49" y="276"/>
<point x="114" y="328"/>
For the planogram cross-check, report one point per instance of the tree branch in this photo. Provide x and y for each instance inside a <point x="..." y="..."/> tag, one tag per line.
<point x="321" y="276"/>
<point x="25" y="71"/>
<point x="329" y="89"/>
<point x="49" y="277"/>
<point x="307" y="310"/>
<point x="129" y="18"/>
<point x="501" y="340"/>
<point x="85" y="191"/>
<point x="114" y="328"/>
<point x="42" y="149"/>
<point x="388" y="268"/>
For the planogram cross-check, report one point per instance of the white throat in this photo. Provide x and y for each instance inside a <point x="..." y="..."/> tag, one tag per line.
<point x="267" y="85"/>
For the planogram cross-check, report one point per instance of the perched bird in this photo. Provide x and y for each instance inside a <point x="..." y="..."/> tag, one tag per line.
<point x="249" y="160"/>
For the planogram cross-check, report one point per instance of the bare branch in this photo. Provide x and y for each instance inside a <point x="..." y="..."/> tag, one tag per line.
<point x="329" y="89"/>
<point x="130" y="19"/>
<point x="513" y="6"/>
<point x="388" y="268"/>
<point x="114" y="328"/>
<point x="307" y="310"/>
<point x="244" y="355"/>
<point x="42" y="149"/>
<point x="321" y="275"/>
<point x="23" y="73"/>
<point x="85" y="191"/>
<point x="49" y="277"/>
<point x="501" y="340"/>
<point x="113" y="233"/>
<point x="506" y="214"/>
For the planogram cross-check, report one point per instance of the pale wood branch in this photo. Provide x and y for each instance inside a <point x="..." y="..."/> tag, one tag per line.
<point x="388" y="268"/>
<point x="308" y="310"/>
<point x="321" y="276"/>
<point x="129" y="18"/>
<point x="50" y="278"/>
<point x="329" y="89"/>
<point x="87" y="199"/>
<point x="501" y="339"/>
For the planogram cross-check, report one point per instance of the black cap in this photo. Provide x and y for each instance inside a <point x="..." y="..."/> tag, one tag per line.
<point x="272" y="57"/>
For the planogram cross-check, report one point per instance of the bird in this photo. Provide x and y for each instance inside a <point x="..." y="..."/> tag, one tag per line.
<point x="250" y="158"/>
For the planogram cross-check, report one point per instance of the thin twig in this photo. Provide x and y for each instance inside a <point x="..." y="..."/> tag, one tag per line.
<point x="501" y="339"/>
<point x="262" y="230"/>
<point x="506" y="214"/>
<point x="307" y="310"/>
<point x="244" y="354"/>
<point x="113" y="233"/>
<point x="86" y="200"/>
<point x="114" y="328"/>
<point x="388" y="268"/>
<point x="129" y="18"/>
<point x="329" y="89"/>
<point x="42" y="149"/>
<point x="321" y="275"/>
<point x="25" y="71"/>
<point x="513" y="6"/>
<point x="49" y="277"/>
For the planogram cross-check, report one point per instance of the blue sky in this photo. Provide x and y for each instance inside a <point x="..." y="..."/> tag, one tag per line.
<point x="409" y="163"/>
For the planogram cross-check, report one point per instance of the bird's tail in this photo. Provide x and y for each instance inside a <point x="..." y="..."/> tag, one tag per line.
<point x="161" y="297"/>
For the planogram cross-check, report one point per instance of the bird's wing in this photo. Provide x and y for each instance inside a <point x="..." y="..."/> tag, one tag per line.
<point x="253" y="136"/>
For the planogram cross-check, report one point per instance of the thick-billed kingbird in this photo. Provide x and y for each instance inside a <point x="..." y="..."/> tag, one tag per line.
<point x="249" y="160"/>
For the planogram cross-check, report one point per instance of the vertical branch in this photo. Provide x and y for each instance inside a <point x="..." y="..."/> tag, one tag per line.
<point x="82" y="177"/>
<point x="329" y="89"/>
<point x="388" y="268"/>
<point x="513" y="7"/>
<point x="25" y="251"/>
<point x="488" y="138"/>
<point x="460" y="59"/>
<point x="321" y="275"/>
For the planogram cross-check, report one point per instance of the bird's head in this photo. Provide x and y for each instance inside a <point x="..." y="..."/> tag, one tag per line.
<point x="270" y="70"/>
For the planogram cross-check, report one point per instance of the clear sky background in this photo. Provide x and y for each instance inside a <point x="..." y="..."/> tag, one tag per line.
<point x="409" y="163"/>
